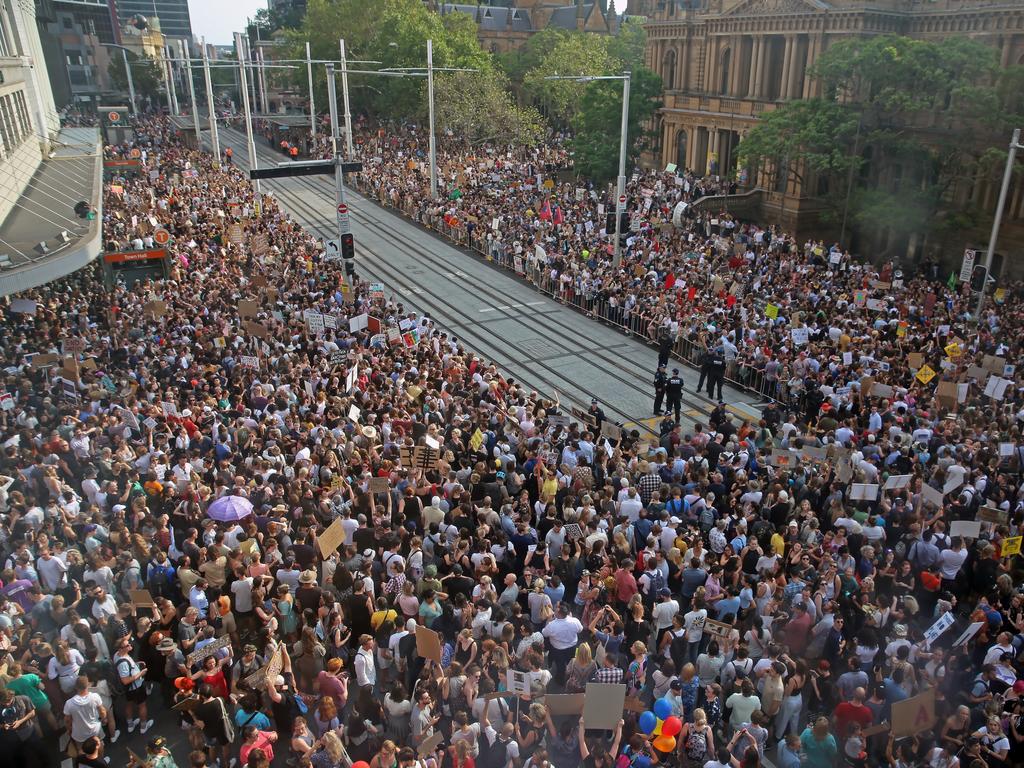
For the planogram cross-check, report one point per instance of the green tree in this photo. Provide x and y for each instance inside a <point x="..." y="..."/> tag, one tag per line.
<point x="599" y="123"/>
<point x="576" y="54"/>
<point x="478" y="107"/>
<point x="146" y="75"/>
<point x="517" y="62"/>
<point x="900" y="122"/>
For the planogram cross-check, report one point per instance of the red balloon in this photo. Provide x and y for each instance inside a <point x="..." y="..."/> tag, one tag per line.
<point x="361" y="764"/>
<point x="671" y="726"/>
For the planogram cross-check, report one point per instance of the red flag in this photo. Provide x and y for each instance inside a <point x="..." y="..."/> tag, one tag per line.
<point x="670" y="280"/>
<point x="545" y="211"/>
<point x="730" y="300"/>
<point x="691" y="292"/>
<point x="557" y="218"/>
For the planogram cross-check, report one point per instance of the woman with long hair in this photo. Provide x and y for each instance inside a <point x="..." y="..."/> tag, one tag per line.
<point x="64" y="667"/>
<point x="330" y="753"/>
<point x="580" y="670"/>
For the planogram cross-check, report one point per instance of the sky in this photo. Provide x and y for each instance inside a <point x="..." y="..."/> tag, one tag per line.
<point x="218" y="19"/>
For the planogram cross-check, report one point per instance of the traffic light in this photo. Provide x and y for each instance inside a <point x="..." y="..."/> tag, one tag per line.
<point x="609" y="223"/>
<point x="978" y="278"/>
<point x="348" y="247"/>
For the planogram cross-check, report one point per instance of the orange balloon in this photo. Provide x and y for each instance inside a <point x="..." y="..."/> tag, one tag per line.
<point x="665" y="743"/>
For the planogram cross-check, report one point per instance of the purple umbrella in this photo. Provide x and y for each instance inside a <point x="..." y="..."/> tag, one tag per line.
<point x="228" y="509"/>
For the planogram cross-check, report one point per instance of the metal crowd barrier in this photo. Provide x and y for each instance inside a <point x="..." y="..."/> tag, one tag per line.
<point x="633" y="321"/>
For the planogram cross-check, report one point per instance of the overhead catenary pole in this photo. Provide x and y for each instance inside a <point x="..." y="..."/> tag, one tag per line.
<point x="430" y="112"/>
<point x="620" y="193"/>
<point x="245" y="107"/>
<point x="131" y="82"/>
<point x="312" y="107"/>
<point x="210" y="106"/>
<point x="175" y="110"/>
<point x="186" y="55"/>
<point x="1011" y="158"/>
<point x="263" y="80"/>
<point x="349" y="153"/>
<point x="341" y="208"/>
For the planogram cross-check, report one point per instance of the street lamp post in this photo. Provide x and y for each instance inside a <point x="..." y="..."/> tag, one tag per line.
<point x="349" y="152"/>
<point x="430" y="112"/>
<point x="245" y="106"/>
<point x="620" y="199"/>
<point x="214" y="136"/>
<point x="186" y="54"/>
<point x="998" y="220"/>
<point x="172" y="90"/>
<point x="312" y="107"/>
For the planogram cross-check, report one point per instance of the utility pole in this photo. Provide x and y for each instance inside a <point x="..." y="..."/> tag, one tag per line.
<point x="210" y="106"/>
<point x="1011" y="158"/>
<point x="349" y="153"/>
<point x="131" y="82"/>
<point x="433" y="140"/>
<point x="309" y="74"/>
<point x="186" y="55"/>
<point x="263" y="81"/>
<point x="242" y="61"/>
<point x="175" y="110"/>
<point x="620" y="201"/>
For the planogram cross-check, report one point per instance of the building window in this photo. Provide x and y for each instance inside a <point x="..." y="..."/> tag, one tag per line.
<point x="669" y="70"/>
<point x="726" y="62"/>
<point x="23" y="117"/>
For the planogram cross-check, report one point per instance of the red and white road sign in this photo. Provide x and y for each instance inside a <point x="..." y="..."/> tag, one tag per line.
<point x="161" y="237"/>
<point x="622" y="202"/>
<point x="342" y="208"/>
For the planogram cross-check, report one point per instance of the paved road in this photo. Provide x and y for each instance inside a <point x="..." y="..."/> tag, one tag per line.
<point x="546" y="345"/>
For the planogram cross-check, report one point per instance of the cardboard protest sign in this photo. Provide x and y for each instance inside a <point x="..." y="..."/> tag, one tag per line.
<point x="23" y="306"/>
<point x="1011" y="546"/>
<point x="332" y="538"/>
<point x="967" y="529"/>
<point x="915" y="360"/>
<point x="141" y="598"/>
<point x="247" y="309"/>
<point x="717" y="628"/>
<point x="897" y="482"/>
<point x="379" y="485"/>
<point x="585" y="416"/>
<point x="566" y="704"/>
<point x="944" y="622"/>
<point x="878" y="389"/>
<point x="914" y="715"/>
<point x="967" y="634"/>
<point x="429" y="744"/>
<point x="185" y="705"/>
<point x="932" y="495"/>
<point x="258" y="330"/>
<point x="44" y="360"/>
<point x="517" y="682"/>
<point x="573" y="531"/>
<point x="992" y="515"/>
<point x="603" y="705"/>
<point x="993" y="363"/>
<point x="864" y="492"/>
<point x="925" y="374"/>
<point x="428" y="644"/>
<point x="268" y="671"/>
<point x="209" y="649"/>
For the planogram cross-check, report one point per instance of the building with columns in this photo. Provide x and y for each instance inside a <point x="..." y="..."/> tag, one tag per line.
<point x="725" y="62"/>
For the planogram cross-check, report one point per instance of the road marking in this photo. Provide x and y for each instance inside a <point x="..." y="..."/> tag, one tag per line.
<point x="512" y="306"/>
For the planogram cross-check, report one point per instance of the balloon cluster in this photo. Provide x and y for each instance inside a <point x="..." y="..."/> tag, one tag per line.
<point x="661" y="724"/>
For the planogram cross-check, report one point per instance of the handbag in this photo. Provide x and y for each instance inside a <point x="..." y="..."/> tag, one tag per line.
<point x="229" y="728"/>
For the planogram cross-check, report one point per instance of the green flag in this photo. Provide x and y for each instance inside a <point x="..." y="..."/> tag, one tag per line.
<point x="952" y="281"/>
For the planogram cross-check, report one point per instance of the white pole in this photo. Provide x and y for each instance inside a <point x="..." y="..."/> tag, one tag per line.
<point x="620" y="199"/>
<point x="342" y="219"/>
<point x="167" y="83"/>
<point x="263" y="81"/>
<point x="131" y="82"/>
<point x="349" y="153"/>
<point x="430" y="109"/>
<point x="186" y="54"/>
<point x="998" y="220"/>
<point x="245" y="106"/>
<point x="312" y="107"/>
<point x="170" y="74"/>
<point x="210" y="107"/>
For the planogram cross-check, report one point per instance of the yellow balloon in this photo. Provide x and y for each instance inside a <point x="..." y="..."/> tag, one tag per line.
<point x="657" y="728"/>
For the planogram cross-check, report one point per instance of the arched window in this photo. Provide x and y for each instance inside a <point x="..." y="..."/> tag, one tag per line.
<point x="726" y="66"/>
<point x="668" y="70"/>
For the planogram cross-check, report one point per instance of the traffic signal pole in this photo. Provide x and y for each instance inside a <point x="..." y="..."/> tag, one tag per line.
<point x="346" y="244"/>
<point x="998" y="220"/>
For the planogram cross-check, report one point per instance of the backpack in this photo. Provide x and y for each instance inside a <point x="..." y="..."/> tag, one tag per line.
<point x="492" y="755"/>
<point x="161" y="580"/>
<point x="117" y="687"/>
<point x="678" y="650"/>
<point x="696" y="745"/>
<point x="706" y="519"/>
<point x="655" y="584"/>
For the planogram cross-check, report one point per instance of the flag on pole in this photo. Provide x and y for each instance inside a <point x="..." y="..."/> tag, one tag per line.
<point x="545" y="211"/>
<point x="952" y="281"/>
<point x="557" y="217"/>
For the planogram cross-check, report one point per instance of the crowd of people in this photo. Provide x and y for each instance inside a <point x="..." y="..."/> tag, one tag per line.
<point x="176" y="453"/>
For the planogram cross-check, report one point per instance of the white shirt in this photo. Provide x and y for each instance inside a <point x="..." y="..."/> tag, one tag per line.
<point x="366" y="672"/>
<point x="950" y="561"/>
<point x="563" y="633"/>
<point x="664" y="612"/>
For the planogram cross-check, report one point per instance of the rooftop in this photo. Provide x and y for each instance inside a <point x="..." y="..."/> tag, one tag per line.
<point x="44" y="214"/>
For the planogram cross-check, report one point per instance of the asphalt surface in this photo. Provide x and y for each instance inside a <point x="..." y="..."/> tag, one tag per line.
<point x="546" y="345"/>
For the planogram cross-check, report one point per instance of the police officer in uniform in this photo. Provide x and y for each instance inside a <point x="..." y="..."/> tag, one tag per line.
<point x="664" y="348"/>
<point x="674" y="392"/>
<point x="660" y="381"/>
<point x="597" y="413"/>
<point x="716" y="372"/>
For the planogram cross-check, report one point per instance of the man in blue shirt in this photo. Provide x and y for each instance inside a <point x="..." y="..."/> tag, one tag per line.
<point x="728" y="606"/>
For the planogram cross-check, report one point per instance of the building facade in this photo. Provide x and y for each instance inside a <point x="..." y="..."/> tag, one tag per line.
<point x="504" y="25"/>
<point x="173" y="14"/>
<point x="726" y="62"/>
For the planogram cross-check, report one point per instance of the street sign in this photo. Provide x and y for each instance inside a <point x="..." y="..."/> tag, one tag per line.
<point x="161" y="237"/>
<point x="342" y="209"/>
<point x="622" y="202"/>
<point x="968" y="266"/>
<point x="332" y="251"/>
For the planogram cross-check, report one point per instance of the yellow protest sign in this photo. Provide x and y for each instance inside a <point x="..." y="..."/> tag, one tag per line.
<point x="1011" y="546"/>
<point x="953" y="350"/>
<point x="771" y="311"/>
<point x="549" y="184"/>
<point x="999" y="296"/>
<point x="926" y="374"/>
<point x="901" y="328"/>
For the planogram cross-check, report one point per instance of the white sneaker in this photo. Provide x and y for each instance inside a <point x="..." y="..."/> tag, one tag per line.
<point x="132" y="725"/>
<point x="116" y="736"/>
<point x="146" y="726"/>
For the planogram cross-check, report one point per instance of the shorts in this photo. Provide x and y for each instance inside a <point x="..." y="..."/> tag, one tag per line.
<point x="214" y="742"/>
<point x="136" y="695"/>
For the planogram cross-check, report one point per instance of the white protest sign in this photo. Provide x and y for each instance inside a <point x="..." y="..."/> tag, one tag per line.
<point x="944" y="622"/>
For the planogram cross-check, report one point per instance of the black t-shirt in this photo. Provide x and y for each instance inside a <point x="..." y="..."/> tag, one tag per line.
<point x="211" y="715"/>
<point x="459" y="585"/>
<point x="304" y="555"/>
